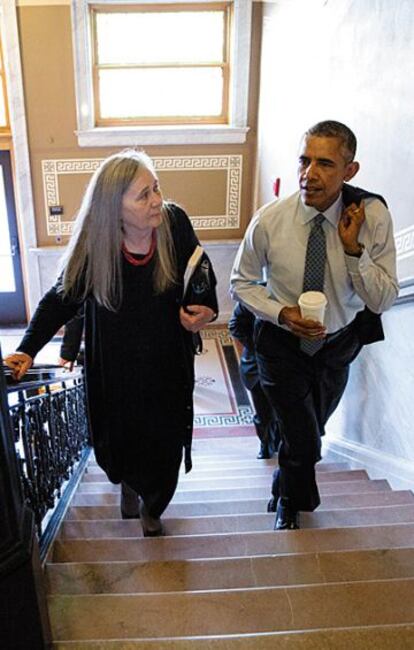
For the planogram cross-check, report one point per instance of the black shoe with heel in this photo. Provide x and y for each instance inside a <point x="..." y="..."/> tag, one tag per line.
<point x="151" y="526"/>
<point x="129" y="502"/>
<point x="286" y="518"/>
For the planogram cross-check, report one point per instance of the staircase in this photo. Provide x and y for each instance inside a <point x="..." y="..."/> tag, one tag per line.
<point x="222" y="578"/>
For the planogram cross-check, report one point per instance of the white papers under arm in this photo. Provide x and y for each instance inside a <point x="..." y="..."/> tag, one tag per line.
<point x="191" y="265"/>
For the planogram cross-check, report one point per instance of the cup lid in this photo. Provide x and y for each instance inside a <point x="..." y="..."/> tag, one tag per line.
<point x="313" y="298"/>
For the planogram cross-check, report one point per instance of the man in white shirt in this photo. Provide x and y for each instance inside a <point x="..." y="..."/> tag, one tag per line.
<point x="359" y="272"/>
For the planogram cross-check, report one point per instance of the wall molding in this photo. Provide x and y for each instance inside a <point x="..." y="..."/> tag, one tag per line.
<point x="404" y="243"/>
<point x="398" y="471"/>
<point x="231" y="165"/>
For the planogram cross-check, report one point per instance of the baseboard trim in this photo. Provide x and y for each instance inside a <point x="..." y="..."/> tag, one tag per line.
<point x="398" y="471"/>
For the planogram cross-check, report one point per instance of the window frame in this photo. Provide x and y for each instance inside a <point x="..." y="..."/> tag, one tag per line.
<point x="89" y="134"/>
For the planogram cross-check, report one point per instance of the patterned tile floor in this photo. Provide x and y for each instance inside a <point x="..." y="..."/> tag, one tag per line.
<point x="221" y="401"/>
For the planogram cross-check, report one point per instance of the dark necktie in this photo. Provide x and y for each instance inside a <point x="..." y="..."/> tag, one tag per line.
<point x="313" y="277"/>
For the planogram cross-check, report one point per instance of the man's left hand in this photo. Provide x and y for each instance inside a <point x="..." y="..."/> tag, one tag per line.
<point x="349" y="226"/>
<point x="194" y="317"/>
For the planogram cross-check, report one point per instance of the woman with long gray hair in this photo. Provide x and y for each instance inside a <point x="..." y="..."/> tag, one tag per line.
<point x="125" y="266"/>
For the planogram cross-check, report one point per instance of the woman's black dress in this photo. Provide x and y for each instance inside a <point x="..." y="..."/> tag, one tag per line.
<point x="139" y="373"/>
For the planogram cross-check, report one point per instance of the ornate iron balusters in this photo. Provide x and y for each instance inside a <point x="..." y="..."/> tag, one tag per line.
<point x="50" y="427"/>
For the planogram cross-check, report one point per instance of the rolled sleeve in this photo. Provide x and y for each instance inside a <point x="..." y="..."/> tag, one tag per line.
<point x="373" y="274"/>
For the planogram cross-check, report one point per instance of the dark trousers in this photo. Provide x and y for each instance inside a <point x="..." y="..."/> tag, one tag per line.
<point x="264" y="419"/>
<point x="304" y="391"/>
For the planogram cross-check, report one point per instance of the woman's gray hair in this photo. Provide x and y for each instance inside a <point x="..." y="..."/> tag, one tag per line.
<point x="92" y="263"/>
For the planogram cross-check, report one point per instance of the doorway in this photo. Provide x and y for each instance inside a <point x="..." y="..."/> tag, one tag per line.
<point x="12" y="304"/>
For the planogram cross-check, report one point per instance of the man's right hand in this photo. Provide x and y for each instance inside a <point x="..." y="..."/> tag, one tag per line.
<point x="19" y="363"/>
<point x="302" y="327"/>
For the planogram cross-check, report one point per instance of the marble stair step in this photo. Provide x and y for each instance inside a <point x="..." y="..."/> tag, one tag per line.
<point x="217" y="524"/>
<point x="213" y="459"/>
<point x="224" y="454"/>
<point x="223" y="463"/>
<point x="205" y="508"/>
<point x="98" y="475"/>
<point x="230" y="494"/>
<point x="234" y="544"/>
<point x="230" y="573"/>
<point x="258" y="467"/>
<point x="378" y="637"/>
<point x="238" y="611"/>
<point x="204" y="484"/>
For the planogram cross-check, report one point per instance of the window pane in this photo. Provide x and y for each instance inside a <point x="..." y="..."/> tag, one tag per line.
<point x="161" y="92"/>
<point x="160" y="37"/>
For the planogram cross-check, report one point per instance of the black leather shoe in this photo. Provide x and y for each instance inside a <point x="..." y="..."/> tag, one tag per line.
<point x="286" y="518"/>
<point x="264" y="452"/>
<point x="129" y="502"/>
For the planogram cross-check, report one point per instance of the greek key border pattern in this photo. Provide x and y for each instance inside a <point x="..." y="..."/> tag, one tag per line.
<point x="404" y="242"/>
<point x="232" y="164"/>
<point x="244" y="417"/>
<point x="221" y="333"/>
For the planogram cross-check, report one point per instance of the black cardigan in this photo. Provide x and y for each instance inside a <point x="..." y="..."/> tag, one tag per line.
<point x="112" y="339"/>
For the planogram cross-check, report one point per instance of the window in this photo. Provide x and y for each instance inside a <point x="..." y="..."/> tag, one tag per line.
<point x="150" y="72"/>
<point x="169" y="66"/>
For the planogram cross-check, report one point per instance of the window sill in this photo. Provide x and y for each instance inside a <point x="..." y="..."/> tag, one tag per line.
<point x="161" y="135"/>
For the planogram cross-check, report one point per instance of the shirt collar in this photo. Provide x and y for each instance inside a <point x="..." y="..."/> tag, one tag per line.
<point x="331" y="214"/>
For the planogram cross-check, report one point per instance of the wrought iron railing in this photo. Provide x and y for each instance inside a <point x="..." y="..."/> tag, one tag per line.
<point x="50" y="429"/>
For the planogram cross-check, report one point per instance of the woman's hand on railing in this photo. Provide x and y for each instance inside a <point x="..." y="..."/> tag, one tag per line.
<point x="66" y="364"/>
<point x="19" y="363"/>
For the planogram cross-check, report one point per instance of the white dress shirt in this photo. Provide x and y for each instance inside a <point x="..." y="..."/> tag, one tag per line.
<point x="274" y="247"/>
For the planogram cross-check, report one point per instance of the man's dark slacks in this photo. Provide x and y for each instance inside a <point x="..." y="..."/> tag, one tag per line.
<point x="304" y="391"/>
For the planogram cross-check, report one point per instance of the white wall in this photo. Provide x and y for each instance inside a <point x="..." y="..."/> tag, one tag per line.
<point x="351" y="60"/>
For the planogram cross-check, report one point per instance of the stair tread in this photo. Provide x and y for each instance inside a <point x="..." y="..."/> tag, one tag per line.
<point x="105" y="487"/>
<point x="240" y="523"/>
<point x="218" y="612"/>
<point x="328" y="502"/>
<point x="336" y="487"/>
<point x="234" y="544"/>
<point x="225" y="573"/>
<point x="249" y="468"/>
<point x="375" y="637"/>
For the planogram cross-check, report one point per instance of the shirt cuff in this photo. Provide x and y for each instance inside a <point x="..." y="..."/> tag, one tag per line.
<point x="357" y="264"/>
<point x="275" y="320"/>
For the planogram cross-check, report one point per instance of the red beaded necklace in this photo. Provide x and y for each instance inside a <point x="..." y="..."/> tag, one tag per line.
<point x="143" y="260"/>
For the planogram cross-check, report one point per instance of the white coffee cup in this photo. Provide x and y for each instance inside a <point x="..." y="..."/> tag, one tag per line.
<point x="312" y="305"/>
